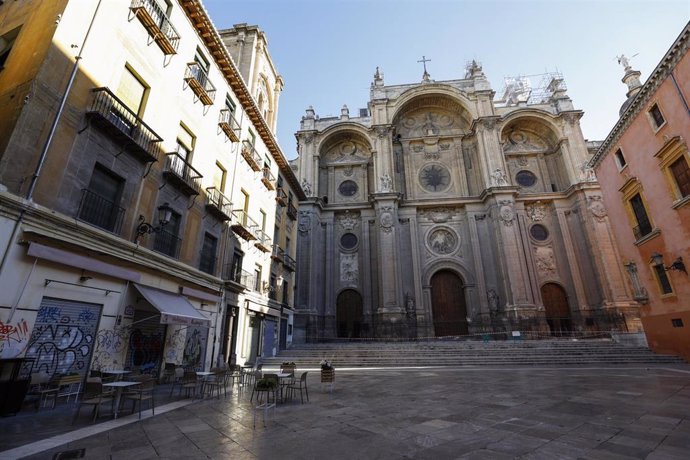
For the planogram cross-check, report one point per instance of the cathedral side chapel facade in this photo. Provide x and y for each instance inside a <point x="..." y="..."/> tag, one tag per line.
<point x="439" y="211"/>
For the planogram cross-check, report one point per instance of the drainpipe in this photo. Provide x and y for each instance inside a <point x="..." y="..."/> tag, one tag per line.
<point x="46" y="147"/>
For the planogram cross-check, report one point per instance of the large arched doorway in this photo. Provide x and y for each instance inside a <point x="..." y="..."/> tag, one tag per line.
<point x="349" y="314"/>
<point x="556" y="306"/>
<point x="448" y="304"/>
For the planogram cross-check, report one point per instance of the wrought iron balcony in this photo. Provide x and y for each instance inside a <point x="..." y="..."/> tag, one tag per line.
<point x="251" y="155"/>
<point x="277" y="253"/>
<point x="167" y="243"/>
<point x="262" y="241"/>
<point x="642" y="230"/>
<point x="218" y="204"/>
<point x="267" y="178"/>
<point x="290" y="263"/>
<point x="157" y="24"/>
<point x="230" y="126"/>
<point x="197" y="79"/>
<point x="235" y="274"/>
<point x="100" y="212"/>
<point x="111" y="114"/>
<point x="244" y="225"/>
<point x="292" y="211"/>
<point x="281" y="196"/>
<point x="182" y="174"/>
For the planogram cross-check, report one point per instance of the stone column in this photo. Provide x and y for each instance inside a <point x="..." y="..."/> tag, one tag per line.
<point x="572" y="260"/>
<point x="420" y="306"/>
<point x="391" y="309"/>
<point x="512" y="253"/>
<point x="491" y="159"/>
<point x="479" y="267"/>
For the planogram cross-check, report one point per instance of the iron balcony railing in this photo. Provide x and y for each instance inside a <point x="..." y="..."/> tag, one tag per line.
<point x="277" y="253"/>
<point x="290" y="263"/>
<point x="243" y="225"/>
<point x="235" y="274"/>
<point x="251" y="155"/>
<point x="157" y="24"/>
<point x="281" y="196"/>
<point x="100" y="212"/>
<point x="262" y="241"/>
<point x="123" y="124"/>
<point x="182" y="174"/>
<point x="267" y="178"/>
<point x="197" y="79"/>
<point x="229" y="125"/>
<point x="292" y="211"/>
<point x="218" y="204"/>
<point x="642" y="230"/>
<point x="167" y="243"/>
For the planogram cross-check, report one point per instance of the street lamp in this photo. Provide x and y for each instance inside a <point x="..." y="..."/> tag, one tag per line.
<point x="145" y="228"/>
<point x="658" y="261"/>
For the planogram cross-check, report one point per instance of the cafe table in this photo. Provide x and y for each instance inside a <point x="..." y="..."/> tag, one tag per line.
<point x="119" y="386"/>
<point x="119" y="373"/>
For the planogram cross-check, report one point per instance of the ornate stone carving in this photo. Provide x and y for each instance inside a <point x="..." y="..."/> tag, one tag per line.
<point x="536" y="211"/>
<point x="488" y="123"/>
<point x="348" y="221"/>
<point x="308" y="138"/>
<point x="444" y="145"/>
<point x="416" y="147"/>
<point x="382" y="131"/>
<point x="522" y="141"/>
<point x="442" y="241"/>
<point x="546" y="264"/>
<point x="571" y="117"/>
<point x="432" y="155"/>
<point x="386" y="183"/>
<point x="479" y="217"/>
<point x="493" y="301"/>
<point x="386" y="219"/>
<point x="522" y="161"/>
<point x="506" y="212"/>
<point x="597" y="208"/>
<point x="498" y="177"/>
<point x="409" y="305"/>
<point x="304" y="222"/>
<point x="587" y="173"/>
<point x="306" y="186"/>
<point x="438" y="215"/>
<point x="349" y="268"/>
<point x="348" y="171"/>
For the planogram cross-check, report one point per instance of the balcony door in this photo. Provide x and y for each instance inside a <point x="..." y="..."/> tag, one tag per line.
<point x="100" y="201"/>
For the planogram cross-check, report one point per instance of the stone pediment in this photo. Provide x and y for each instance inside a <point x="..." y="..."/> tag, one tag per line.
<point x="518" y="141"/>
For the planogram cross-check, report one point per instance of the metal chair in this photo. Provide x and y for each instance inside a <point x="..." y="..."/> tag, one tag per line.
<point x="300" y="385"/>
<point x="143" y="392"/>
<point x="93" y="396"/>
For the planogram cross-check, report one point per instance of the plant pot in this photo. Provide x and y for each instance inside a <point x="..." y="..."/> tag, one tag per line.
<point x="327" y="375"/>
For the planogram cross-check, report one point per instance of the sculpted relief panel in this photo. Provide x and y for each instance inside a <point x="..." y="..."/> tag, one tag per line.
<point x="349" y="269"/>
<point x="430" y="121"/>
<point x="346" y="151"/>
<point x="519" y="141"/>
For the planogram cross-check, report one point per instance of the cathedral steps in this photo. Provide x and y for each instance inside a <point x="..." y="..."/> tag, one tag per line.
<point x="469" y="353"/>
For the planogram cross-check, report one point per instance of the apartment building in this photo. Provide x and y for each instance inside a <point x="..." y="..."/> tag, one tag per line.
<point x="140" y="181"/>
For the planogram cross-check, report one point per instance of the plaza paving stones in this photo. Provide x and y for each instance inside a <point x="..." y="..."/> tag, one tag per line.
<point x="469" y="413"/>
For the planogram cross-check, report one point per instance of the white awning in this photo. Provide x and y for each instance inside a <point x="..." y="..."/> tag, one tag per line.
<point x="174" y="308"/>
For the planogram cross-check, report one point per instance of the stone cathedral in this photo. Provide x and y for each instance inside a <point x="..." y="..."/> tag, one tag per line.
<point x="442" y="210"/>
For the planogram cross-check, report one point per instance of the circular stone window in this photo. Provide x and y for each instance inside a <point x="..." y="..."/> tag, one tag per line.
<point x="434" y="178"/>
<point x="348" y="241"/>
<point x="526" y="178"/>
<point x="348" y="188"/>
<point x="539" y="232"/>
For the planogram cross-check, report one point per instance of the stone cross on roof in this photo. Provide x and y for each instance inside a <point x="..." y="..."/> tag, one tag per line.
<point x="426" y="75"/>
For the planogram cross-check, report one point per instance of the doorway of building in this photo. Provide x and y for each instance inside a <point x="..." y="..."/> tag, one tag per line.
<point x="448" y="304"/>
<point x="557" y="310"/>
<point x="349" y="314"/>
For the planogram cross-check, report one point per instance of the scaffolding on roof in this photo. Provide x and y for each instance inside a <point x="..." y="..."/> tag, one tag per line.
<point x="531" y="89"/>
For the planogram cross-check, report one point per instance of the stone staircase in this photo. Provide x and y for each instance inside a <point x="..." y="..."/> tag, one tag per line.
<point x="563" y="352"/>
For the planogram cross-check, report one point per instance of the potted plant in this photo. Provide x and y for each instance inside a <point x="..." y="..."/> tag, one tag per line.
<point x="288" y="367"/>
<point x="327" y="372"/>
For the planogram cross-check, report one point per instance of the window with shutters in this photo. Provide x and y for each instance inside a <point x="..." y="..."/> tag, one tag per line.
<point x="167" y="241"/>
<point x="207" y="262"/>
<point x="637" y="210"/>
<point x="132" y="91"/>
<point x="99" y="203"/>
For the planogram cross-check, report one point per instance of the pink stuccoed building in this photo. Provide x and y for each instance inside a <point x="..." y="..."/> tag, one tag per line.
<point x="643" y="167"/>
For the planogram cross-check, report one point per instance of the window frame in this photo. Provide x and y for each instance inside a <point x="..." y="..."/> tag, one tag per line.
<point x="673" y="150"/>
<point x="659" y="272"/>
<point x="619" y="158"/>
<point x="652" y="120"/>
<point x="203" y="256"/>
<point x="13" y="35"/>
<point x="630" y="189"/>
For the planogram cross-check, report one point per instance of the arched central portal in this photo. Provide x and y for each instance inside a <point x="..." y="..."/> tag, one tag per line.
<point x="448" y="304"/>
<point x="556" y="306"/>
<point x="349" y="314"/>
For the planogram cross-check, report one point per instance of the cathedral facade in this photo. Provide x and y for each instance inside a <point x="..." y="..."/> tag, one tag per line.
<point x="441" y="210"/>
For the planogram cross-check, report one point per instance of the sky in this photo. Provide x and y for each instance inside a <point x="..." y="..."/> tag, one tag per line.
<point x="327" y="50"/>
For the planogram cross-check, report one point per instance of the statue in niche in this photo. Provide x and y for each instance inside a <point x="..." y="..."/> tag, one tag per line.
<point x="493" y="301"/>
<point x="306" y="186"/>
<point x="498" y="177"/>
<point x="409" y="305"/>
<point x="386" y="183"/>
<point x="587" y="173"/>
